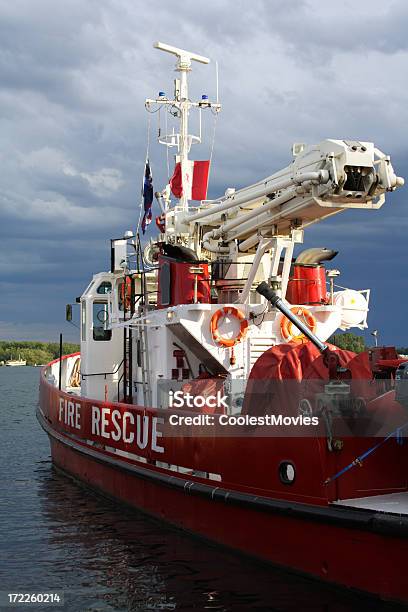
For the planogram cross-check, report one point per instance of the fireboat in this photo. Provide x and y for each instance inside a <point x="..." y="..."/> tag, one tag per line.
<point x="206" y="393"/>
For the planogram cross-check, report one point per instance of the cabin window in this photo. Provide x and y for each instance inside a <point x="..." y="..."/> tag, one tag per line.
<point x="104" y="288"/>
<point x="100" y="321"/>
<point x="83" y="321"/>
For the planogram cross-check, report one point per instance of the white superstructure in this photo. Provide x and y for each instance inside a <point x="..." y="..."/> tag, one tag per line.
<point x="131" y="338"/>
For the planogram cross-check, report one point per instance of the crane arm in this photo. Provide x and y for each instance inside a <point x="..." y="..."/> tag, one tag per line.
<point x="322" y="180"/>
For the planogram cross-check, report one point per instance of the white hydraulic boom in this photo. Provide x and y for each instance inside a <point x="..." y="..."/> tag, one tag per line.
<point x="323" y="180"/>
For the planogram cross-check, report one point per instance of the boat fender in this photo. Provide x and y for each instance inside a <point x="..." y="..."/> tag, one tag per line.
<point x="75" y="378"/>
<point x="126" y="293"/>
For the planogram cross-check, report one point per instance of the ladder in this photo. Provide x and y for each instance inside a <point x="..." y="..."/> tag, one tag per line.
<point x="127" y="366"/>
<point x="144" y="347"/>
<point x="144" y="352"/>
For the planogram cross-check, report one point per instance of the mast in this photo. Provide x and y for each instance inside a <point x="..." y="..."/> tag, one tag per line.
<point x="184" y="146"/>
<point x="181" y="101"/>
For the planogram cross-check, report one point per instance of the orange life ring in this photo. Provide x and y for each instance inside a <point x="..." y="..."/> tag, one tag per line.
<point x="224" y="312"/>
<point x="287" y="327"/>
<point x="161" y="223"/>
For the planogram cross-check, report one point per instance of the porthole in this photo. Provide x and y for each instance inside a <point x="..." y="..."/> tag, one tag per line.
<point x="287" y="472"/>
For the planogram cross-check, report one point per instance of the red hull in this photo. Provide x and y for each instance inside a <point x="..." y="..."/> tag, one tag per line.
<point x="357" y="559"/>
<point x="353" y="548"/>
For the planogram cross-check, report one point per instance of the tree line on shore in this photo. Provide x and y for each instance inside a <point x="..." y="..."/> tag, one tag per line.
<point x="35" y="353"/>
<point x="353" y="342"/>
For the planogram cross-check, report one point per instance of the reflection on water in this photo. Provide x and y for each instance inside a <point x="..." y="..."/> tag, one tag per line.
<point x="57" y="535"/>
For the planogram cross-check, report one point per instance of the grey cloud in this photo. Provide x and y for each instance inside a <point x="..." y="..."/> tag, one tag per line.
<point x="73" y="79"/>
<point x="318" y="31"/>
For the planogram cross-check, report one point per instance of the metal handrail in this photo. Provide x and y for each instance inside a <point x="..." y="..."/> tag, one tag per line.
<point x="119" y="381"/>
<point x="105" y="374"/>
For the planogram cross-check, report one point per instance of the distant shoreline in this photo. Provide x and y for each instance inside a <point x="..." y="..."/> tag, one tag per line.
<point x="33" y="352"/>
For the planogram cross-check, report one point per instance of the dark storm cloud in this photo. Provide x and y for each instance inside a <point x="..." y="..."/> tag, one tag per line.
<point x="347" y="27"/>
<point x="73" y="79"/>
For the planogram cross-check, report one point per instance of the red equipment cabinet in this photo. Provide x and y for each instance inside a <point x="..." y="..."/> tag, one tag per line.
<point x="182" y="282"/>
<point x="307" y="285"/>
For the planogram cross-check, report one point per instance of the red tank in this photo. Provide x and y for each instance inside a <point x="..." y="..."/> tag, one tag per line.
<point x="307" y="285"/>
<point x="182" y="282"/>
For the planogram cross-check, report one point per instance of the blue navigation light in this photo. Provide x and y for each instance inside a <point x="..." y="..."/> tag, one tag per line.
<point x="204" y="97"/>
<point x="162" y="94"/>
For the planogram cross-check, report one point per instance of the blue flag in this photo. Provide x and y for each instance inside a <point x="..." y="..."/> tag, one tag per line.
<point x="147" y="197"/>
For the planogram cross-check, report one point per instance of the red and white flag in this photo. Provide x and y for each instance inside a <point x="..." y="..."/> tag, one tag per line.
<point x="195" y="182"/>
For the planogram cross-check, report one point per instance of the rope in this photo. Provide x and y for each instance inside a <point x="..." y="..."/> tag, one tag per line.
<point x="359" y="460"/>
<point x="213" y="137"/>
<point x="167" y="148"/>
<point x="213" y="142"/>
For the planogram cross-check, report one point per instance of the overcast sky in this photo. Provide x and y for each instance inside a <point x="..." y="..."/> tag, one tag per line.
<point x="73" y="130"/>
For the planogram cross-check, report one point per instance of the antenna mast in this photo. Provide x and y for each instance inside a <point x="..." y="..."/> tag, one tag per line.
<point x="183" y="104"/>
